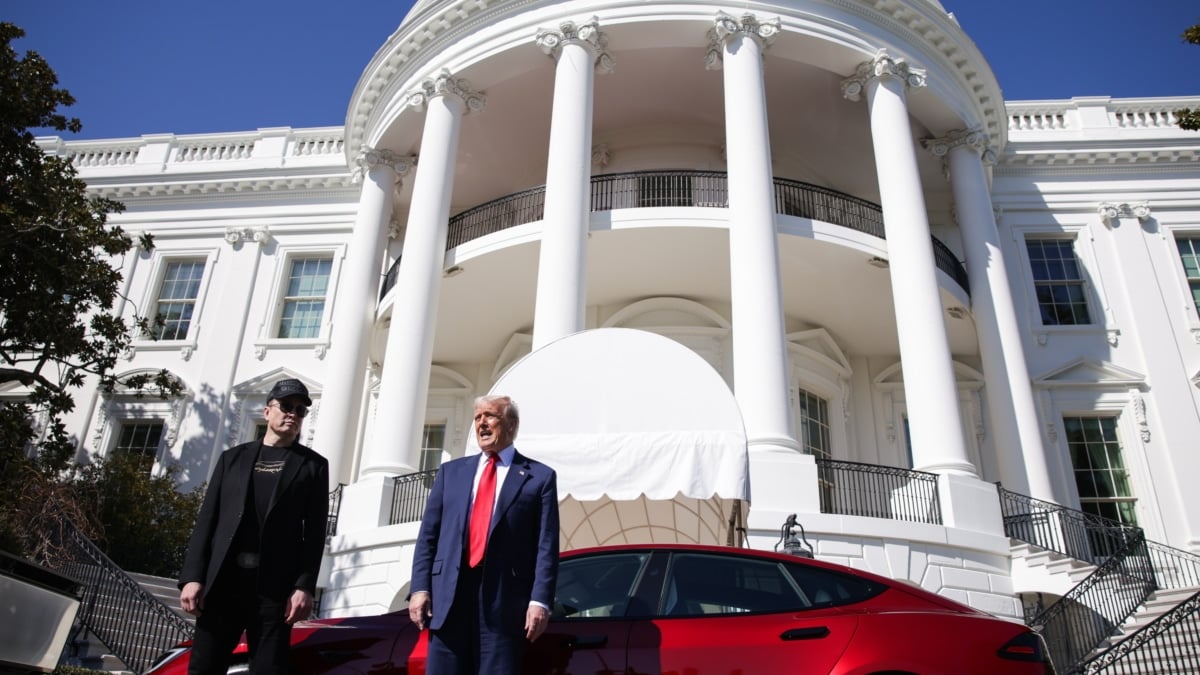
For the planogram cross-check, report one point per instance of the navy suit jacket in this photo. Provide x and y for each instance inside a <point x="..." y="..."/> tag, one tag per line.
<point x="521" y="560"/>
<point x="292" y="536"/>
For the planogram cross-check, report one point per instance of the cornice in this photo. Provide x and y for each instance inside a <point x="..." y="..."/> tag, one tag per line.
<point x="1081" y="160"/>
<point x="925" y="25"/>
<point x="326" y="185"/>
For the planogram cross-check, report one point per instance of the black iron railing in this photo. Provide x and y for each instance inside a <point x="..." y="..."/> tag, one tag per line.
<point x="641" y="189"/>
<point x="1168" y="644"/>
<point x="131" y="622"/>
<point x="409" y="493"/>
<point x="1080" y="621"/>
<point x="1174" y="568"/>
<point x="872" y="491"/>
<point x="335" y="507"/>
<point x="1073" y="533"/>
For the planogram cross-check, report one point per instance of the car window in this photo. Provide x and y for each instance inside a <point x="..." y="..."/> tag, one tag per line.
<point x="700" y="584"/>
<point x="826" y="588"/>
<point x="596" y="586"/>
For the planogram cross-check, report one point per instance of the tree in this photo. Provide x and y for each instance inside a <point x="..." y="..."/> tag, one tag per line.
<point x="1189" y="118"/>
<point x="58" y="286"/>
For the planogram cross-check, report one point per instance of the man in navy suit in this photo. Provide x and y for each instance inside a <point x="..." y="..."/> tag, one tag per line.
<point x="253" y="557"/>
<point x="483" y="578"/>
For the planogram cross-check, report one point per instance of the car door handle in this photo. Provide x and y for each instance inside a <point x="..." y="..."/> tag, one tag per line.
<point x="815" y="633"/>
<point x="585" y="641"/>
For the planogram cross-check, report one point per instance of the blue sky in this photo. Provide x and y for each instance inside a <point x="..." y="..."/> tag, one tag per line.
<point x="182" y="66"/>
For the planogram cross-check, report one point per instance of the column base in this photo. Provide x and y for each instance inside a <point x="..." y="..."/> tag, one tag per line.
<point x="366" y="504"/>
<point x="970" y="504"/>
<point x="782" y="481"/>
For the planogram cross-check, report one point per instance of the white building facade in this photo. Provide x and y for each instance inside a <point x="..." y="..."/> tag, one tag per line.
<point x="829" y="203"/>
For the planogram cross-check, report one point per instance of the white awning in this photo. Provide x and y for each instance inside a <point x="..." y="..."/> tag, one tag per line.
<point x="646" y="438"/>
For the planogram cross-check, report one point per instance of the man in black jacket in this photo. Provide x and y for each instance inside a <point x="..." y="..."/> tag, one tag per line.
<point x="254" y="554"/>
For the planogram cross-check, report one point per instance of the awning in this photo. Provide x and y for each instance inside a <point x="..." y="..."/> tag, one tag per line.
<point x="646" y="438"/>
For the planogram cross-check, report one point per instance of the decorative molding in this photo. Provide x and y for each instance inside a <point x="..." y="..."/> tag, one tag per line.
<point x="236" y="235"/>
<point x="260" y="352"/>
<point x="186" y="352"/>
<point x="588" y="33"/>
<point x="726" y="26"/>
<point x="1139" y="413"/>
<point x="395" y="228"/>
<point x="975" y="139"/>
<point x="1110" y="212"/>
<point x="601" y="155"/>
<point x="446" y="84"/>
<point x="882" y="66"/>
<point x="368" y="158"/>
<point x="320" y="350"/>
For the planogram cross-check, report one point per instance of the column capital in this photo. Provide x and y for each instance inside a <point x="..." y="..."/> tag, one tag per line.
<point x="368" y="158"/>
<point x="446" y="84"/>
<point x="975" y="139"/>
<point x="1109" y="212"/>
<point x="726" y="26"/>
<point x="881" y="67"/>
<point x="587" y="34"/>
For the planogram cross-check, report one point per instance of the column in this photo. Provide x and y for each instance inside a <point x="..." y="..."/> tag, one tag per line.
<point x="1017" y="434"/>
<point x="354" y="314"/>
<point x="562" y="261"/>
<point x="929" y="384"/>
<point x="407" y="364"/>
<point x="778" y="471"/>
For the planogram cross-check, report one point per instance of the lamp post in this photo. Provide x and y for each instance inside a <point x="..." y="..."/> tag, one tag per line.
<point x="791" y="543"/>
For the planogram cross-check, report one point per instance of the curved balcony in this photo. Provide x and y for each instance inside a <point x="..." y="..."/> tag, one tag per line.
<point x="639" y="189"/>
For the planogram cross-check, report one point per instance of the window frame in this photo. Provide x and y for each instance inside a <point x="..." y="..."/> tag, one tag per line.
<point x="1083" y="244"/>
<point x="114" y="410"/>
<point x="126" y="423"/>
<point x="151" y="295"/>
<point x="1191" y="311"/>
<point x="269" y="328"/>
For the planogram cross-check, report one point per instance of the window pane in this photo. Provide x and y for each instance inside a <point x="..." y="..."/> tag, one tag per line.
<point x="814" y="425"/>
<point x="177" y="298"/>
<point x="596" y="586"/>
<point x="304" y="302"/>
<point x="1058" y="282"/>
<point x="433" y="441"/>
<point x="702" y="584"/>
<point x="1100" y="475"/>
<point x="141" y="439"/>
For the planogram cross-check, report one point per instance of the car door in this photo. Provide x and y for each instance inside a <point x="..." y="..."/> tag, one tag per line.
<point x="735" y="614"/>
<point x="588" y="628"/>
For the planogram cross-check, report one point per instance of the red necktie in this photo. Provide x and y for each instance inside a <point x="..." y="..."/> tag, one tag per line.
<point x="481" y="511"/>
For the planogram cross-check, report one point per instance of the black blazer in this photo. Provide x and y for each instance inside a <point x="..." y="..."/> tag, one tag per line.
<point x="293" y="533"/>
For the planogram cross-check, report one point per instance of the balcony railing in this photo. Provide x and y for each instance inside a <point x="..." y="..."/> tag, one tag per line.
<point x="335" y="507"/>
<point x="872" y="491"/>
<point x="643" y="189"/>
<point x="1073" y="533"/>
<point x="409" y="493"/>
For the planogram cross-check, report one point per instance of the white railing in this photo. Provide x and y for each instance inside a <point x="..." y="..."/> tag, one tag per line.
<point x="165" y="152"/>
<point x="1097" y="113"/>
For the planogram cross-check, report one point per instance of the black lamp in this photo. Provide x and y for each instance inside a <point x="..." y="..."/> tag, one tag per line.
<point x="791" y="543"/>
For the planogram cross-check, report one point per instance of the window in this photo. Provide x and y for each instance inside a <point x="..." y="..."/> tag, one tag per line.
<point x="1189" y="255"/>
<point x="140" y="439"/>
<point x="1100" y="473"/>
<point x="596" y="586"/>
<point x="260" y="431"/>
<point x="304" y="298"/>
<point x="177" y="299"/>
<point x="1058" y="282"/>
<point x="703" y="585"/>
<point x="433" y="441"/>
<point x="814" y="425"/>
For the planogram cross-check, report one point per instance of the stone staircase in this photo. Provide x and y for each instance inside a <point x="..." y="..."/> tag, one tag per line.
<point x="1159" y="603"/>
<point x="88" y="651"/>
<point x="1058" y="573"/>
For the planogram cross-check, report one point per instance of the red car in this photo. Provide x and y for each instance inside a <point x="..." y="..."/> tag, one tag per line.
<point x="703" y="609"/>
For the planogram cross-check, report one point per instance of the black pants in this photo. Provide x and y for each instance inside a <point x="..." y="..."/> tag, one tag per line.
<point x="234" y="605"/>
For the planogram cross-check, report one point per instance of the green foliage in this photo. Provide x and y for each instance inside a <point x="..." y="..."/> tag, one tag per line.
<point x="59" y="330"/>
<point x="1190" y="118"/>
<point x="146" y="520"/>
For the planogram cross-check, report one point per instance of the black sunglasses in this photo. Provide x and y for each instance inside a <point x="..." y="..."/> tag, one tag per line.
<point x="289" y="409"/>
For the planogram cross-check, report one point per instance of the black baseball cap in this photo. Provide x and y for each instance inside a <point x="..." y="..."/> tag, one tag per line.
<point x="289" y="387"/>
